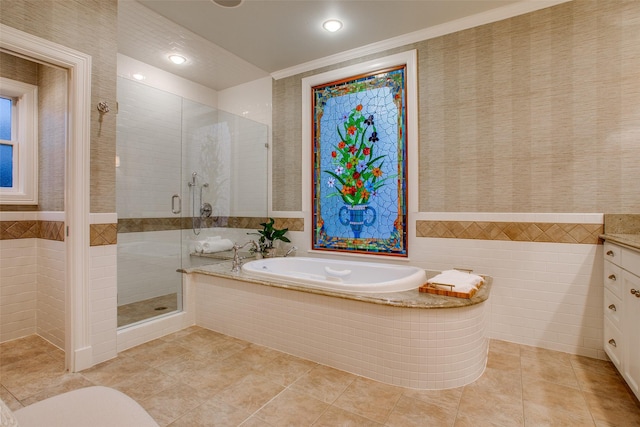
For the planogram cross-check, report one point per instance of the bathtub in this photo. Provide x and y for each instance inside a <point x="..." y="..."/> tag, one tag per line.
<point x="344" y="276"/>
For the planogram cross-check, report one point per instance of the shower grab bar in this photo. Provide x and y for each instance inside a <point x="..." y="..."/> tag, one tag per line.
<point x="173" y="204"/>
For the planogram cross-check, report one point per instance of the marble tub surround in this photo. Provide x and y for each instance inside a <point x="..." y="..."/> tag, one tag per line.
<point x="411" y="299"/>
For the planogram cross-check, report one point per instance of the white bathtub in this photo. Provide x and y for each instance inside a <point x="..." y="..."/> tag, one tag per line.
<point x="344" y="276"/>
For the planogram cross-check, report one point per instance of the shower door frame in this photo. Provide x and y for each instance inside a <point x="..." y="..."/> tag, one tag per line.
<point x="78" y="348"/>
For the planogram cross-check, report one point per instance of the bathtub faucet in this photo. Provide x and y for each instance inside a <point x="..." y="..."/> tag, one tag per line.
<point x="236" y="257"/>
<point x="291" y="249"/>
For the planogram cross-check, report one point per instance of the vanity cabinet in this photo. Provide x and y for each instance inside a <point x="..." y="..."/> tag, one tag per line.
<point x="622" y="311"/>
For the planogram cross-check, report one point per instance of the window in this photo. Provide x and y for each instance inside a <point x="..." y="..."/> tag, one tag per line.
<point x="18" y="143"/>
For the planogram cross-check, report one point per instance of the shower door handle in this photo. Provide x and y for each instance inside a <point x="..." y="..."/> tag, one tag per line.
<point x="173" y="204"/>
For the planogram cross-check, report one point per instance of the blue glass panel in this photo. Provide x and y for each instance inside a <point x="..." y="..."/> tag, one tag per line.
<point x="5" y="119"/>
<point x="6" y="166"/>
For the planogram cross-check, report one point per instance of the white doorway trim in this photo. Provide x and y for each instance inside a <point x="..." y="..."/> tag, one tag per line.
<point x="78" y="349"/>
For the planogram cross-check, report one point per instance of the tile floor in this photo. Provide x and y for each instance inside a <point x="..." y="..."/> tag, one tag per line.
<point x="197" y="377"/>
<point x="146" y="309"/>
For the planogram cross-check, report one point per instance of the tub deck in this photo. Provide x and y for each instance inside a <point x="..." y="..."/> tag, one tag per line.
<point x="410" y="299"/>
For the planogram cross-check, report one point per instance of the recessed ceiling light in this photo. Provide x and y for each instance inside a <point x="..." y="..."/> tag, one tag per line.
<point x="138" y="76"/>
<point x="332" y="25"/>
<point x="177" y="59"/>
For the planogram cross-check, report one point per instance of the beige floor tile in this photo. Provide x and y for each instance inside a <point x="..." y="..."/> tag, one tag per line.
<point x="370" y="399"/>
<point x="291" y="408"/>
<point x="504" y="347"/>
<point x="8" y="398"/>
<point x="143" y="384"/>
<point x="169" y="405"/>
<point x="213" y="377"/>
<point x="503" y="361"/>
<point x="184" y="363"/>
<point x="68" y="382"/>
<point x="256" y="422"/>
<point x="498" y="381"/>
<point x="333" y="417"/>
<point x="614" y="410"/>
<point x="485" y="408"/>
<point x="114" y="371"/>
<point x="33" y="381"/>
<point x="324" y="383"/>
<point x="286" y="369"/>
<point x="447" y="399"/>
<point x="213" y="413"/>
<point x="412" y="412"/>
<point x="543" y="354"/>
<point x="548" y="370"/>
<point x="24" y="348"/>
<point x="255" y="356"/>
<point x="31" y="363"/>
<point x="554" y="396"/>
<point x="200" y="377"/>
<point x="537" y="415"/>
<point x="250" y="393"/>
<point x="606" y="382"/>
<point x="155" y="353"/>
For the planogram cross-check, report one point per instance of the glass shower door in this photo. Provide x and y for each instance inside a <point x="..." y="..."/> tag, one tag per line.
<point x="149" y="202"/>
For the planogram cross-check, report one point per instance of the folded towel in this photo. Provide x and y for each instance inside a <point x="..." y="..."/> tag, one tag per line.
<point x="462" y="282"/>
<point x="221" y="245"/>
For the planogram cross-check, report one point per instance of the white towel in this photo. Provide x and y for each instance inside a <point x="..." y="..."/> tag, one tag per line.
<point x="217" y="245"/>
<point x="462" y="281"/>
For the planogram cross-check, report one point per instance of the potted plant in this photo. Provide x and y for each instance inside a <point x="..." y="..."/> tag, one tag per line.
<point x="268" y="235"/>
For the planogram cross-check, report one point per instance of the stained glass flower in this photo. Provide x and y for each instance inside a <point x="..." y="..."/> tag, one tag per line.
<point x="357" y="172"/>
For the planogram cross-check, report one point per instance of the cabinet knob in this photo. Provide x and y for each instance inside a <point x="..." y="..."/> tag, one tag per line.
<point x="610" y="253"/>
<point x="635" y="292"/>
<point x="612" y="277"/>
<point x="612" y="307"/>
<point x="613" y="342"/>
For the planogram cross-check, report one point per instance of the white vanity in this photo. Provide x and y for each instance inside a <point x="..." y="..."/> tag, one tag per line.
<point x="622" y="305"/>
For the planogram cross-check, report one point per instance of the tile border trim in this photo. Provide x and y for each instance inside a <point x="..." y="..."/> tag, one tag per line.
<point x="547" y="232"/>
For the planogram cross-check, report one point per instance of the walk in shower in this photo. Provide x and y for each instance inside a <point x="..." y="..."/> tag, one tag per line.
<point x="185" y="172"/>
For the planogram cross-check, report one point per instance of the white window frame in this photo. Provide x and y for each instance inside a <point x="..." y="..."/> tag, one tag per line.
<point x="24" y="139"/>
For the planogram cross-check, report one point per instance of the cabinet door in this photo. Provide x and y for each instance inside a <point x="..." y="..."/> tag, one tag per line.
<point x="631" y="349"/>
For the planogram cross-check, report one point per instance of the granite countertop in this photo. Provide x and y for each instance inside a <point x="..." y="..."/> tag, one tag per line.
<point x="411" y="299"/>
<point x="631" y="241"/>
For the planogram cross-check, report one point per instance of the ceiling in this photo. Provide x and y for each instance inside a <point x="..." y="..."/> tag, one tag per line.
<point x="230" y="46"/>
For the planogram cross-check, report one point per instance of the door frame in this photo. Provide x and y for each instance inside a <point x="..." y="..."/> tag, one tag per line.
<point x="78" y="349"/>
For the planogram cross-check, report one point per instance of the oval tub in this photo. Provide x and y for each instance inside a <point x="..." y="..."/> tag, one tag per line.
<point x="344" y="276"/>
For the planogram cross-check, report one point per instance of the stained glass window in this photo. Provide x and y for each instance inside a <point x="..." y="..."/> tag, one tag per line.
<point x="359" y="164"/>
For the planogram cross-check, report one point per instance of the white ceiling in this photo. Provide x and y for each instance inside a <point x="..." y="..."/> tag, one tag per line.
<point x="230" y="46"/>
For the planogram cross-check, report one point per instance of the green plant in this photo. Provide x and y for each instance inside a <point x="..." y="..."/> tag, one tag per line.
<point x="270" y="234"/>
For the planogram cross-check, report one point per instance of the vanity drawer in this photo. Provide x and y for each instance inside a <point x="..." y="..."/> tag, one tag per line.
<point x="612" y="253"/>
<point x="613" y="278"/>
<point x="613" y="309"/>
<point x="613" y="343"/>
